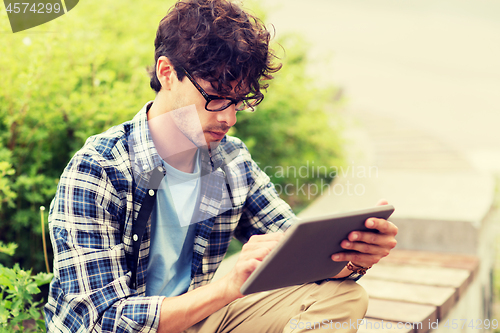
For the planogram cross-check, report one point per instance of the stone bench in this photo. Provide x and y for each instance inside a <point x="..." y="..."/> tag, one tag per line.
<point x="416" y="291"/>
<point x="411" y="290"/>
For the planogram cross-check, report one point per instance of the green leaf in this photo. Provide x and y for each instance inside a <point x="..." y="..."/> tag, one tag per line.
<point x="4" y="314"/>
<point x="8" y="249"/>
<point x="6" y="305"/>
<point x="40" y="323"/>
<point x="32" y="288"/>
<point x="43" y="278"/>
<point x="5" y="282"/>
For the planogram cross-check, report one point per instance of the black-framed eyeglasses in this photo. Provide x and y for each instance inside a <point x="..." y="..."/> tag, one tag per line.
<point x="218" y="103"/>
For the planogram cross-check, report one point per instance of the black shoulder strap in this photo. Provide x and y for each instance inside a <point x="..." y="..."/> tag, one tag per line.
<point x="139" y="225"/>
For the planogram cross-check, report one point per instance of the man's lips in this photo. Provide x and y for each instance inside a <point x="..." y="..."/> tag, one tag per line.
<point x="217" y="135"/>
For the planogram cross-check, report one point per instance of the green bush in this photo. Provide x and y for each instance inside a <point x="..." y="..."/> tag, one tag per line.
<point x="18" y="310"/>
<point x="86" y="71"/>
<point x="79" y="75"/>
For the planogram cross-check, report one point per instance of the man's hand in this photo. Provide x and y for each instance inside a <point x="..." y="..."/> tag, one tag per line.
<point x="252" y="253"/>
<point x="180" y="312"/>
<point x="371" y="246"/>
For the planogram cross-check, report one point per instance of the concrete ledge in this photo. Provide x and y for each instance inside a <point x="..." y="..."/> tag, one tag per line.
<point x="412" y="289"/>
<point x="450" y="196"/>
<point x="437" y="235"/>
<point x="434" y="211"/>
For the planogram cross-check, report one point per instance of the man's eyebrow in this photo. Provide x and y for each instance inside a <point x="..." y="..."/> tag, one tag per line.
<point x="210" y="89"/>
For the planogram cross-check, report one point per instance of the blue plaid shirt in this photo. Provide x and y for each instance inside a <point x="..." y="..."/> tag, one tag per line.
<point x="97" y="201"/>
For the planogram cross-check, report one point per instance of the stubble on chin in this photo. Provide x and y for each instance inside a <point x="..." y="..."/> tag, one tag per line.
<point x="188" y="122"/>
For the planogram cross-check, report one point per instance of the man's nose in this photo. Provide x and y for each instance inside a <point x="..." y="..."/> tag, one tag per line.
<point x="227" y="115"/>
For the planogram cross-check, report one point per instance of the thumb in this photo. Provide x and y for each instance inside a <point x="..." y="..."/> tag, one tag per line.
<point x="382" y="202"/>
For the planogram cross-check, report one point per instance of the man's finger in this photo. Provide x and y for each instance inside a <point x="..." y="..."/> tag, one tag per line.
<point x="381" y="225"/>
<point x="255" y="253"/>
<point x="249" y="247"/>
<point x="382" y="202"/>
<point x="366" y="248"/>
<point x="275" y="236"/>
<point x="361" y="259"/>
<point x="385" y="240"/>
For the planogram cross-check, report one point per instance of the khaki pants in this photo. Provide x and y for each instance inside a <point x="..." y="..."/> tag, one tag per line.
<point x="333" y="306"/>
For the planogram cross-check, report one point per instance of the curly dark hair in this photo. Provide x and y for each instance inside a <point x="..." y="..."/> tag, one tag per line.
<point x="215" y="40"/>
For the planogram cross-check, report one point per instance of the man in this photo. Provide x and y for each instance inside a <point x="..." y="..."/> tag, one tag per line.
<point x="144" y="212"/>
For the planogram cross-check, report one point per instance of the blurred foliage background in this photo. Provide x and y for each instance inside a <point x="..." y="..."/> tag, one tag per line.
<point x="86" y="71"/>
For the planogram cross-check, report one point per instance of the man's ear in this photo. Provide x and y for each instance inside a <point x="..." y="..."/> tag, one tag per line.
<point x="165" y="72"/>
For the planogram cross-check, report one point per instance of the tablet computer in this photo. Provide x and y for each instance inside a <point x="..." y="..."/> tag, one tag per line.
<point x="304" y="253"/>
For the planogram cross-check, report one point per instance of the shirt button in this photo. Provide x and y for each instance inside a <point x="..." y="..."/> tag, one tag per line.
<point x="160" y="169"/>
<point x="151" y="192"/>
<point x="135" y="237"/>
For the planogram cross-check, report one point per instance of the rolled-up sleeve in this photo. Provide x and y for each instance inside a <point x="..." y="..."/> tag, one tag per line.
<point x="91" y="285"/>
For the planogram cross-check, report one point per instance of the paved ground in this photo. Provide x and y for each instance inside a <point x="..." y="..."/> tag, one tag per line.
<point x="430" y="63"/>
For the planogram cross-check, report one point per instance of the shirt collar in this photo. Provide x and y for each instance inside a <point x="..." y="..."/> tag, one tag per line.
<point x="143" y="154"/>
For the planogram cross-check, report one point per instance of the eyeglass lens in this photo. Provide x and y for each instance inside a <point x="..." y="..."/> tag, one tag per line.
<point x="221" y="104"/>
